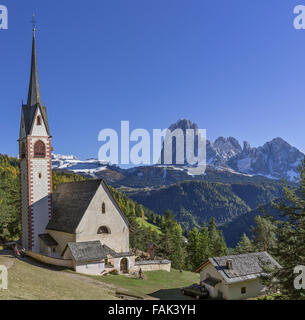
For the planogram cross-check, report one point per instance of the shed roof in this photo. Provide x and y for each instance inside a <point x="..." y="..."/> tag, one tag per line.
<point x="109" y="251"/>
<point x="47" y="240"/>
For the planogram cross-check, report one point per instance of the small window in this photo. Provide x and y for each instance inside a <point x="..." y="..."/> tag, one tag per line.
<point x="103" y="229"/>
<point x="39" y="175"/>
<point x="38" y="121"/>
<point x="243" y="290"/>
<point x="103" y="207"/>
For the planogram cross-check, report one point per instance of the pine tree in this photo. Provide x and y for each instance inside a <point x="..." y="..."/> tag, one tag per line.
<point x="264" y="233"/>
<point x="244" y="245"/>
<point x="205" y="252"/>
<point x="171" y="242"/>
<point x="218" y="245"/>
<point x="177" y="250"/>
<point x="290" y="248"/>
<point x="193" y="249"/>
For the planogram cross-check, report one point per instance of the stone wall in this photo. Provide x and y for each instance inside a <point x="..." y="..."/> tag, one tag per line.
<point x="152" y="265"/>
<point x="50" y="260"/>
<point x="94" y="268"/>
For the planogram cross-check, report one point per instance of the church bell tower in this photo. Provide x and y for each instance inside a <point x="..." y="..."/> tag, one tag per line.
<point x="35" y="163"/>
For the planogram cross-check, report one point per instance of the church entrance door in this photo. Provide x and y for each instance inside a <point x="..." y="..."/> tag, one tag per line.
<point x="124" y="265"/>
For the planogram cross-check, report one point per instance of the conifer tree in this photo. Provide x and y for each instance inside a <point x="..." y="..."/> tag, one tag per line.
<point x="205" y="252"/>
<point x="218" y="246"/>
<point x="264" y="233"/>
<point x="244" y="245"/>
<point x="193" y="249"/>
<point x="290" y="248"/>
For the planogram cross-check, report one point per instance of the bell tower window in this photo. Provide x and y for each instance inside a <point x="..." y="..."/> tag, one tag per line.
<point x="39" y="149"/>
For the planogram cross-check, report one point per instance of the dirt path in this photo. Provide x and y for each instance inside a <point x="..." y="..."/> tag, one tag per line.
<point x="6" y="258"/>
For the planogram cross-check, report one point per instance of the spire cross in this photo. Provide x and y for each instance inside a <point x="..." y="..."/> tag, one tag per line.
<point x="33" y="21"/>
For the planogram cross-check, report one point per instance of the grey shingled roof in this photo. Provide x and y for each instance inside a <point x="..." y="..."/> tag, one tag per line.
<point x="114" y="254"/>
<point x="245" y="266"/>
<point x="34" y="90"/>
<point x="88" y="251"/>
<point x="47" y="240"/>
<point x="29" y="115"/>
<point x="71" y="201"/>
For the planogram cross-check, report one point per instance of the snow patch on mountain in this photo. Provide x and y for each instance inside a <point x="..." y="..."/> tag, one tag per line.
<point x="73" y="164"/>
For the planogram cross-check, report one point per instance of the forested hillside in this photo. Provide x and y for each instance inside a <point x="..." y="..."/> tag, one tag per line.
<point x="196" y="202"/>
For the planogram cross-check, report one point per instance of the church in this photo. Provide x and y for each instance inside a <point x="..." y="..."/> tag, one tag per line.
<point x="79" y="226"/>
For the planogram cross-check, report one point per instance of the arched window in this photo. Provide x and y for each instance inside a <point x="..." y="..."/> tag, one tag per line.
<point x="38" y="121"/>
<point x="39" y="149"/>
<point x="103" y="207"/>
<point x="103" y="229"/>
<point x="22" y="153"/>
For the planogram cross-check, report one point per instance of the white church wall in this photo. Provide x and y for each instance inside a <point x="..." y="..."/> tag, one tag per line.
<point x="41" y="188"/>
<point x="118" y="238"/>
<point x="39" y="130"/>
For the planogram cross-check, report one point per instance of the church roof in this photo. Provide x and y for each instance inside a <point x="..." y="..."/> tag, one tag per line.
<point x="71" y="201"/>
<point x="34" y="99"/>
<point x="34" y="89"/>
<point x="29" y="113"/>
<point x="88" y="251"/>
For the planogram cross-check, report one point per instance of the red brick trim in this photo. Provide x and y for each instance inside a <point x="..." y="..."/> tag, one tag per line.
<point x="50" y="179"/>
<point x="30" y="208"/>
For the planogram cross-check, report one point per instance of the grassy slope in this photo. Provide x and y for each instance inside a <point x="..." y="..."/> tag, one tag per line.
<point x="144" y="223"/>
<point x="29" y="282"/>
<point x="159" y="284"/>
<point x="37" y="282"/>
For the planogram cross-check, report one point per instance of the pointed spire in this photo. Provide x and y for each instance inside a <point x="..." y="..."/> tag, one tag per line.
<point x="34" y="90"/>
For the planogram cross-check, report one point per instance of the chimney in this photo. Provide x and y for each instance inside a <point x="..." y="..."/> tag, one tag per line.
<point x="229" y="264"/>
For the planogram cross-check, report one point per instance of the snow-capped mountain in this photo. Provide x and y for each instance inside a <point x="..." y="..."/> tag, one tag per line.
<point x="276" y="159"/>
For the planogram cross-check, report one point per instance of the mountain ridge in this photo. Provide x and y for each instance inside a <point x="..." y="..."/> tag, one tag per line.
<point x="275" y="159"/>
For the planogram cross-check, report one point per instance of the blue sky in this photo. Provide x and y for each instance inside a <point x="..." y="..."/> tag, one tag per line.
<point x="234" y="67"/>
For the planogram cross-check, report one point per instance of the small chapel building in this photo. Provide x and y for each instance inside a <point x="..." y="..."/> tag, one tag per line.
<point x="80" y="225"/>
